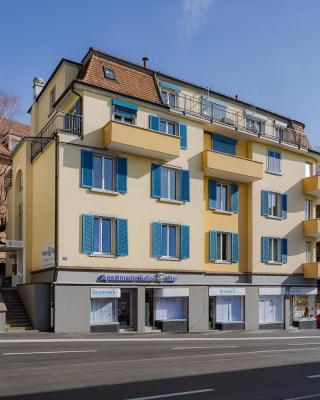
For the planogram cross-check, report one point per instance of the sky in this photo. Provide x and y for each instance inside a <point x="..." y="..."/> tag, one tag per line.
<point x="265" y="51"/>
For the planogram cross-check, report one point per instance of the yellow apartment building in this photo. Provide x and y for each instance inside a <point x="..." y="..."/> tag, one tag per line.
<point x="152" y="203"/>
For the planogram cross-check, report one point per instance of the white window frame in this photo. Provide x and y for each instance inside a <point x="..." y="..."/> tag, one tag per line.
<point x="168" y="182"/>
<point x="113" y="236"/>
<point x="275" y="258"/>
<point x="112" y="71"/>
<point x="278" y="200"/>
<point x="119" y="117"/>
<point x="228" y="194"/>
<point x="167" y="94"/>
<point x="308" y="169"/>
<point x="278" y="132"/>
<point x="102" y="172"/>
<point x="308" y="209"/>
<point x="177" y="255"/>
<point x="167" y="122"/>
<point x="220" y="247"/>
<point x="309" y="252"/>
<point x="269" y="169"/>
<point x="255" y="125"/>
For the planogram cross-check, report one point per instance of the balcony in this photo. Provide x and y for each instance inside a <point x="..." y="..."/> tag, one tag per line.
<point x="60" y="122"/>
<point x="226" y="166"/>
<point x="208" y="111"/>
<point x="311" y="228"/>
<point x="311" y="185"/>
<point x="143" y="142"/>
<point x="311" y="270"/>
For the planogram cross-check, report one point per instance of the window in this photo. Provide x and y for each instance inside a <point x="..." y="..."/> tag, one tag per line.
<point x="168" y="127"/>
<point x="274" y="161"/>
<point x="254" y="125"/>
<point x="103" y="311"/>
<point x="229" y="309"/>
<point x="308" y="209"/>
<point x="103" y="172"/>
<point x="213" y="110"/>
<point x="222" y="197"/>
<point x="13" y="144"/>
<point x="169" y="241"/>
<point x="124" y="114"/>
<point x="224" y="144"/>
<point x="103" y="231"/>
<point x="168" y="98"/>
<point x="168" y="308"/>
<point x="274" y="204"/>
<point x="52" y="98"/>
<point x="270" y="309"/>
<point x="309" y="257"/>
<point x="308" y="169"/>
<point x="109" y="73"/>
<point x="275" y="250"/>
<point x="278" y="132"/>
<point x="223" y="247"/>
<point x="170" y="183"/>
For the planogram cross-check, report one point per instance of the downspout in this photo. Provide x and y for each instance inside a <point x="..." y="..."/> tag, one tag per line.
<point x="56" y="234"/>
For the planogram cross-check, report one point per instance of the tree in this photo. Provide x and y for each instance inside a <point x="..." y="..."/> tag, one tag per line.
<point x="8" y="108"/>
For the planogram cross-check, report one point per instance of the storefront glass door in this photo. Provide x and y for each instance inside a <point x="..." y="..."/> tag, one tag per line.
<point x="124" y="309"/>
<point x="270" y="309"/>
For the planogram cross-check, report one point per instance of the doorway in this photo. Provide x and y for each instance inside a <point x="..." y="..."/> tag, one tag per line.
<point x="125" y="309"/>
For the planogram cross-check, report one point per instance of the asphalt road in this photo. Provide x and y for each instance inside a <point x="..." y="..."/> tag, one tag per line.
<point x="272" y="366"/>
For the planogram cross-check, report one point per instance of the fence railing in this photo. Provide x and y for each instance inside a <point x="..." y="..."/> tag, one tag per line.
<point x="207" y="110"/>
<point x="60" y="122"/>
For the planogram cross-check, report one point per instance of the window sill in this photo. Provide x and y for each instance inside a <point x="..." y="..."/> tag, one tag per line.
<point x="100" y="255"/>
<point x="273" y="217"/>
<point x="274" y="263"/>
<point x="164" y="200"/>
<point x="169" y="258"/>
<point x="222" y="262"/>
<point x="112" y="192"/>
<point x="273" y="172"/>
<point x="222" y="211"/>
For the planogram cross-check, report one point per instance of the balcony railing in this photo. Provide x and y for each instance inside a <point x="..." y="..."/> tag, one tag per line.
<point x="8" y="180"/>
<point x="201" y="108"/>
<point x="60" y="122"/>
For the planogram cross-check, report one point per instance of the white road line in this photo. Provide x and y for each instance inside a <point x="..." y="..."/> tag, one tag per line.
<point x="303" y="344"/>
<point x="204" y="347"/>
<point x="49" y="352"/>
<point x="162" y="339"/>
<point x="311" y="396"/>
<point x="313" y="376"/>
<point x="162" y="396"/>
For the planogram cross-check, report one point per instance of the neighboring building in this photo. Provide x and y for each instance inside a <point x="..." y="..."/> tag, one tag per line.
<point x="146" y="202"/>
<point x="11" y="133"/>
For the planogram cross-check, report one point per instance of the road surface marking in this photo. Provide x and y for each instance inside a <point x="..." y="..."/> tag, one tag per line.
<point x="49" y="352"/>
<point x="312" y="396"/>
<point x="303" y="344"/>
<point x="313" y="376"/>
<point x="162" y="396"/>
<point x="162" y="339"/>
<point x="203" y="347"/>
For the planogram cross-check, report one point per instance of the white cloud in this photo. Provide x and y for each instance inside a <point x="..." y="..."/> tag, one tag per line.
<point x="194" y="14"/>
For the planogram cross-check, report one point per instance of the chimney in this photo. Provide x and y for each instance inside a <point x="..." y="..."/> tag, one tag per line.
<point x="38" y="84"/>
<point x="145" y="62"/>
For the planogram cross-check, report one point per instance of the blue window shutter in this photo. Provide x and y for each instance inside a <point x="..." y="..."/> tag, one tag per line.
<point x="156" y="181"/>
<point x="156" y="239"/>
<point x="264" y="203"/>
<point x="265" y="249"/>
<point x="212" y="189"/>
<point x="154" y="122"/>
<point x="234" y="198"/>
<point x="87" y="233"/>
<point x="86" y="169"/>
<point x="284" y="208"/>
<point x="78" y="107"/>
<point x="121" y="178"/>
<point x="185" y="185"/>
<point x="122" y="237"/>
<point x="184" y="242"/>
<point x="183" y="136"/>
<point x="284" y="251"/>
<point x="213" y="246"/>
<point x="234" y="247"/>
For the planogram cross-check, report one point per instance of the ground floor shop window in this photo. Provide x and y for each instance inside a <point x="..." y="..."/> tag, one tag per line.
<point x="103" y="311"/>
<point x="302" y="306"/>
<point x="229" y="309"/>
<point x="170" y="308"/>
<point x="270" y="309"/>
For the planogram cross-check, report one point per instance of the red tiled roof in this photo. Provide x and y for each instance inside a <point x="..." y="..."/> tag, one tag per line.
<point x="9" y="126"/>
<point x="4" y="152"/>
<point x="130" y="80"/>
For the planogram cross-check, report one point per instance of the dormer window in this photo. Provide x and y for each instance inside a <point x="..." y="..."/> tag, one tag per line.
<point x="109" y="73"/>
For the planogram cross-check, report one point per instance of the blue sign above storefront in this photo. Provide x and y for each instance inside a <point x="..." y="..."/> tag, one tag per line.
<point x="153" y="278"/>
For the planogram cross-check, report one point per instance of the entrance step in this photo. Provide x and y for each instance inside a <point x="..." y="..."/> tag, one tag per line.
<point x="17" y="318"/>
<point x="152" y="329"/>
